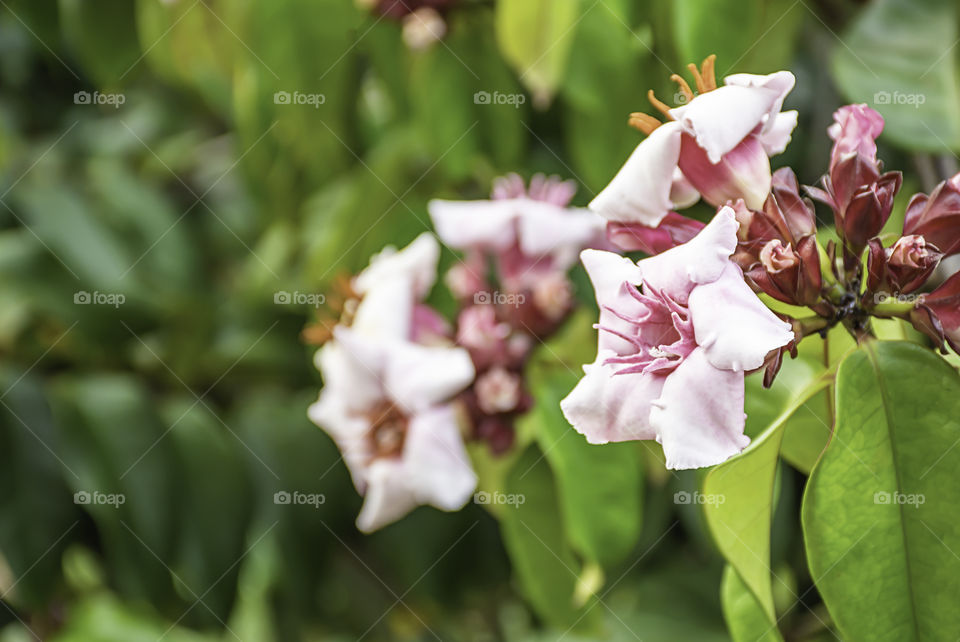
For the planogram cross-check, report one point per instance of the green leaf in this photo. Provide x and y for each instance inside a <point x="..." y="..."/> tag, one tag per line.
<point x="536" y="37"/>
<point x="599" y="487"/>
<point x="898" y="58"/>
<point x="738" y="504"/>
<point x="879" y="511"/>
<point x="534" y="537"/>
<point x="745" y="617"/>
<point x="102" y="34"/>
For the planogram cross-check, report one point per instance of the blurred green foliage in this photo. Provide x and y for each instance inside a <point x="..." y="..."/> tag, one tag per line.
<point x="194" y="202"/>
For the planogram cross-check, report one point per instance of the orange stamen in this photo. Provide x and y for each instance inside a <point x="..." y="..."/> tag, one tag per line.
<point x="684" y="87"/>
<point x="644" y="122"/>
<point x="709" y="72"/>
<point x="698" y="79"/>
<point x="661" y="107"/>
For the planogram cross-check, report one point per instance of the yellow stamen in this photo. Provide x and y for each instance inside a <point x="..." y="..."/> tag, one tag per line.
<point x="698" y="79"/>
<point x="644" y="122"/>
<point x="709" y="72"/>
<point x="661" y="107"/>
<point x="684" y="87"/>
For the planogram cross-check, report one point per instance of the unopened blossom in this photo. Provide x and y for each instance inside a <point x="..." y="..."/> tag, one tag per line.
<point x="716" y="146"/>
<point x="677" y="333"/>
<point x="938" y="314"/>
<point x="937" y="217"/>
<point x="789" y="274"/>
<point x="423" y="27"/>
<point x="903" y="268"/>
<point x="386" y="397"/>
<point x="859" y="194"/>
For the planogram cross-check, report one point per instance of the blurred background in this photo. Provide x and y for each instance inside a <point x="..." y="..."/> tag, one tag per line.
<point x="181" y="179"/>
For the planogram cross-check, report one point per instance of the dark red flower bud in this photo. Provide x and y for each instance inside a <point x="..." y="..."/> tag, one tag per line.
<point x="675" y="229"/>
<point x="868" y="211"/>
<point x="937" y="217"/>
<point x="787" y="275"/>
<point x="795" y="211"/>
<point x="938" y="314"/>
<point x="903" y="268"/>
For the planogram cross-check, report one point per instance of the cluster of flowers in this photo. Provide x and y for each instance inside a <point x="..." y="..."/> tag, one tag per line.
<point x="678" y="331"/>
<point x="403" y="390"/>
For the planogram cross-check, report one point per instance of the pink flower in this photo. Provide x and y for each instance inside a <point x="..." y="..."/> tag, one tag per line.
<point x="532" y="238"/>
<point x="677" y="333"/>
<point x="854" y="131"/>
<point x="386" y="398"/>
<point x="715" y="146"/>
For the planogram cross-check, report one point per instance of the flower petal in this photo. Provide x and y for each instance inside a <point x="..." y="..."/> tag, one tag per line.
<point x="734" y="328"/>
<point x="640" y="192"/>
<point x="417" y="261"/>
<point x="418" y="376"/>
<point x="487" y="225"/>
<point x="720" y="119"/>
<point x="386" y="310"/>
<point x="388" y="497"/>
<point x="548" y="230"/>
<point x="436" y="467"/>
<point x="347" y="429"/>
<point x="776" y="135"/>
<point x="699" y="416"/>
<point x="612" y="275"/>
<point x="701" y="260"/>
<point x="605" y="407"/>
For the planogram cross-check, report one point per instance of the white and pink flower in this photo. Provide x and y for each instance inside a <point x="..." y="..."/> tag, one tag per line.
<point x="677" y="333"/>
<point x="386" y="395"/>
<point x="716" y="146"/>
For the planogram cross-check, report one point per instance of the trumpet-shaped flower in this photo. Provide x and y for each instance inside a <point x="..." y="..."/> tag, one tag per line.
<point x="386" y="397"/>
<point x="715" y="146"/>
<point x="677" y="333"/>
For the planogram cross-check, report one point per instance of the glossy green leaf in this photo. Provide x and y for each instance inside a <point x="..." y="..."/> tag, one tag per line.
<point x="879" y="509"/>
<point x="738" y="500"/>
<point x="536" y="37"/>
<point x="599" y="487"/>
<point x="745" y="618"/>
<point x="898" y="57"/>
<point x="534" y="536"/>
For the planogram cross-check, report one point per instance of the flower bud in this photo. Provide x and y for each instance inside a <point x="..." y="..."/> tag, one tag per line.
<point x="498" y="391"/>
<point x="902" y="268"/>
<point x="938" y="314"/>
<point x="788" y="275"/>
<point x="786" y="204"/>
<point x="937" y="217"/>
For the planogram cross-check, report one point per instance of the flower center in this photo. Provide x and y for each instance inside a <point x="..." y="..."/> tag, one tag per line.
<point x="704" y="78"/>
<point x="388" y="430"/>
<point x="660" y="337"/>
